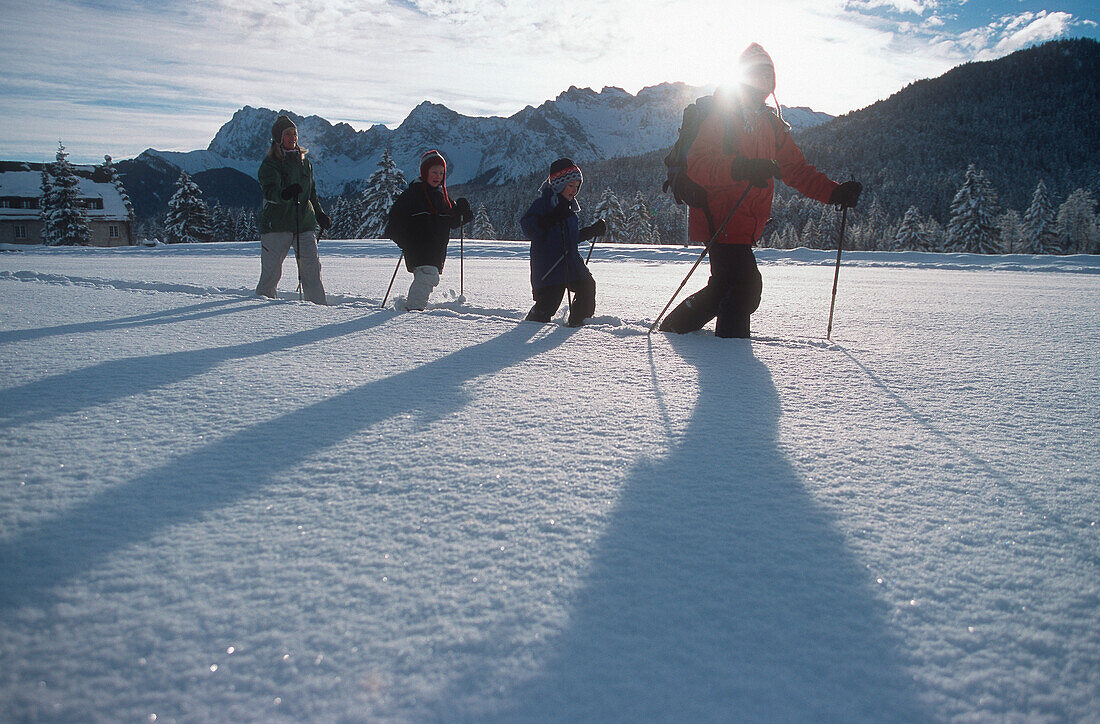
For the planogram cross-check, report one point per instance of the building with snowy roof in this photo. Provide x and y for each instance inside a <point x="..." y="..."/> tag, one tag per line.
<point x="20" y="205"/>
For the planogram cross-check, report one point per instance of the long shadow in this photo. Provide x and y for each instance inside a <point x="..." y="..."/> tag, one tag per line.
<point x="167" y="316"/>
<point x="721" y="590"/>
<point x="105" y="382"/>
<point x="240" y="465"/>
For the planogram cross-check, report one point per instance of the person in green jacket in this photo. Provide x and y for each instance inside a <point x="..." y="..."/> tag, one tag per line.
<point x="290" y="215"/>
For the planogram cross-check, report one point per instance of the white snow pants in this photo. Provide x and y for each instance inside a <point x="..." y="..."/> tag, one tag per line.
<point x="425" y="279"/>
<point x="273" y="250"/>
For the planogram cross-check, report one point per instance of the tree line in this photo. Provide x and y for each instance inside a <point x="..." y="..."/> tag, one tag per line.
<point x="977" y="223"/>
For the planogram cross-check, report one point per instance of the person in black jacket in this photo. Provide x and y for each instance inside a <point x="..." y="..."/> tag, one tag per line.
<point x="420" y="222"/>
<point x="553" y="227"/>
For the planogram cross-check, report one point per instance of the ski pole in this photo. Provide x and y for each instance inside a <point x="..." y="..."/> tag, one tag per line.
<point x="461" y="258"/>
<point x="590" y="250"/>
<point x="836" y="272"/>
<point x="297" y="246"/>
<point x="392" y="279"/>
<point x="702" y="256"/>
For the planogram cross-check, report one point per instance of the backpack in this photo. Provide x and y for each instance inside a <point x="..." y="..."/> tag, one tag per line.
<point x="684" y="190"/>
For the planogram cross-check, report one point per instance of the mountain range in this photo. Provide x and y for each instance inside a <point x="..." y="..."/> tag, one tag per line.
<point x="1028" y="116"/>
<point x="580" y="123"/>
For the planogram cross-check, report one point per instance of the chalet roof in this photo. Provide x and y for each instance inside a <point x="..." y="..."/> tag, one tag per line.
<point x="24" y="180"/>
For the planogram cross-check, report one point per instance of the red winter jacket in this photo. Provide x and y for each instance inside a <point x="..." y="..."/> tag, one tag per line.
<point x="761" y="135"/>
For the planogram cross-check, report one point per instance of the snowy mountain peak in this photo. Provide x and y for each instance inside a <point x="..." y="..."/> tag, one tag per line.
<point x="581" y="122"/>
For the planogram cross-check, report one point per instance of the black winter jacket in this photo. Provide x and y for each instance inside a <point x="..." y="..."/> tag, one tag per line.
<point x="420" y="222"/>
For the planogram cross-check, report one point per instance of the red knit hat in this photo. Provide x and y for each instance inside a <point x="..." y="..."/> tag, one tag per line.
<point x="757" y="69"/>
<point x="429" y="159"/>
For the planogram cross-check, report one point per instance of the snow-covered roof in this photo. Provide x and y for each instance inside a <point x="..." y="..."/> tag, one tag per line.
<point x="28" y="184"/>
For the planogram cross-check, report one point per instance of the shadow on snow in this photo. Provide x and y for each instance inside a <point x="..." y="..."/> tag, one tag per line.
<point x="720" y="590"/>
<point x="56" y="550"/>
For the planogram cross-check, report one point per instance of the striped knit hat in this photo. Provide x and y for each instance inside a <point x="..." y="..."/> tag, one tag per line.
<point x="429" y="159"/>
<point x="562" y="172"/>
<point x="757" y="69"/>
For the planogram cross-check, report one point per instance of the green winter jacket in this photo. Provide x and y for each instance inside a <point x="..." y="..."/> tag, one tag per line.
<point x="278" y="213"/>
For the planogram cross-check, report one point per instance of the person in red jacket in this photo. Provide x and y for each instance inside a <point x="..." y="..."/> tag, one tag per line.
<point x="741" y="147"/>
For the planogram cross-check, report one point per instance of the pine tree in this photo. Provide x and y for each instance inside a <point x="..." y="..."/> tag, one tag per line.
<point x="1011" y="231"/>
<point x="611" y="211"/>
<point x="971" y="228"/>
<point x="1038" y="227"/>
<point x="639" y="229"/>
<point x="382" y="188"/>
<point x="188" y="219"/>
<point x="222" y="224"/>
<point x="244" y="227"/>
<point x="1077" y="223"/>
<point x="339" y="214"/>
<point x="910" y="233"/>
<point x="483" y="226"/>
<point x="46" y="204"/>
<point x="68" y="224"/>
<point x="112" y="175"/>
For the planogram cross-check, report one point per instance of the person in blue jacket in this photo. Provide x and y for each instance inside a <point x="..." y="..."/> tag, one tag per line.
<point x="554" y="230"/>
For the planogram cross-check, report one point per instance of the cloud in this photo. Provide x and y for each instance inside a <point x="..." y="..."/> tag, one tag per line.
<point x="1015" y="32"/>
<point x="168" y="74"/>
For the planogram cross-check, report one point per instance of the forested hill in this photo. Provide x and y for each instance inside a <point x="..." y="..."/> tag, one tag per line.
<point x="1030" y="115"/>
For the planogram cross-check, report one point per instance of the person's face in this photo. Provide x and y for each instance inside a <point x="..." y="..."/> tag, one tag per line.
<point x="290" y="138"/>
<point x="435" y="175"/>
<point x="571" y="189"/>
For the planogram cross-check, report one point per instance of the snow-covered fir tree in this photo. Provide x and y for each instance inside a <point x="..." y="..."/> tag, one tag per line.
<point x="112" y="175"/>
<point x="1077" y="223"/>
<point x="1011" y="230"/>
<point x="343" y="219"/>
<point x="45" y="203"/>
<point x="910" y="233"/>
<point x="64" y="216"/>
<point x="483" y="225"/>
<point x="1038" y="228"/>
<point x="639" y="224"/>
<point x="188" y="218"/>
<point x="611" y="211"/>
<point x="244" y="225"/>
<point x="222" y="224"/>
<point x="971" y="228"/>
<point x="382" y="188"/>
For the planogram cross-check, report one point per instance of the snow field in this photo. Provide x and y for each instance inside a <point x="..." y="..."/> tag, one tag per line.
<point x="216" y="507"/>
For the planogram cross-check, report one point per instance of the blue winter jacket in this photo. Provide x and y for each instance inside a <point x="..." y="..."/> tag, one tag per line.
<point x="555" y="259"/>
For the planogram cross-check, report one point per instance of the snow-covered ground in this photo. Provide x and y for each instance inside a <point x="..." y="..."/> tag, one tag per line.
<point x="215" y="507"/>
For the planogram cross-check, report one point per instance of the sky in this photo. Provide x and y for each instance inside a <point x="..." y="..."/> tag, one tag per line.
<point x="119" y="76"/>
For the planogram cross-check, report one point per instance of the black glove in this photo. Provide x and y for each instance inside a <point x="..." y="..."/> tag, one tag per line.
<point x="756" y="171"/>
<point x="597" y="229"/>
<point x="462" y="211"/>
<point x="846" y="194"/>
<point x="558" y="214"/>
<point x="323" y="220"/>
<point x="291" y="191"/>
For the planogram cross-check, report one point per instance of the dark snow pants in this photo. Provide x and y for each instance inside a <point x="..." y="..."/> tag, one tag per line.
<point x="732" y="294"/>
<point x="548" y="299"/>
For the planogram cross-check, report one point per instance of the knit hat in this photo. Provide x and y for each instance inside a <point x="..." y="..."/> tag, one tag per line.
<point x="429" y="159"/>
<point x="757" y="69"/>
<point x="562" y="172"/>
<point x="281" y="124"/>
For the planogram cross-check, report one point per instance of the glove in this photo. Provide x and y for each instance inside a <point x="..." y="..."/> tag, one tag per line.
<point x="597" y="229"/>
<point x="323" y="220"/>
<point x="558" y="214"/>
<point x="846" y="194"/>
<point x="757" y="171"/>
<point x="462" y="211"/>
<point x="291" y="192"/>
